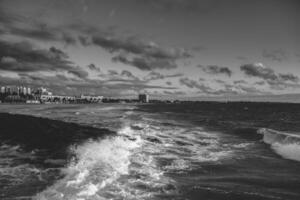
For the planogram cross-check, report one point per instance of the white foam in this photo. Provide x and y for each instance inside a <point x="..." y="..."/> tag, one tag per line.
<point x="128" y="166"/>
<point x="241" y="145"/>
<point x="97" y="164"/>
<point x="178" y="164"/>
<point x="285" y="144"/>
<point x="289" y="151"/>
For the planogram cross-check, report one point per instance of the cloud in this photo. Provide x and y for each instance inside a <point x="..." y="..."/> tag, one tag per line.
<point x="156" y="76"/>
<point x="24" y="57"/>
<point x="77" y="71"/>
<point x="146" y="63"/>
<point x="137" y="46"/>
<point x="112" y="72"/>
<point x="134" y="51"/>
<point x="124" y="76"/>
<point x="93" y="67"/>
<point x="277" y="81"/>
<point x="224" y="88"/>
<point x="215" y="69"/>
<point x="278" y="55"/>
<point x="129" y="75"/>
<point x="260" y="71"/>
<point x="20" y="26"/>
<point x="129" y="50"/>
<point x="194" y="84"/>
<point x="240" y="82"/>
<point x="289" y="77"/>
<point x="260" y="83"/>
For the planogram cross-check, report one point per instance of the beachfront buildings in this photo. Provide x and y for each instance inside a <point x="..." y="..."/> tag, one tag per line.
<point x="15" y="90"/>
<point x="21" y="94"/>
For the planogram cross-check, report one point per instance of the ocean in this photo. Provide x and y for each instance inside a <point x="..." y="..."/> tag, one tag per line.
<point x="205" y="150"/>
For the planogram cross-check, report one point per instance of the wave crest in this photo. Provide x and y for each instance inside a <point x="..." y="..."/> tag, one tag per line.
<point x="285" y="144"/>
<point x="96" y="165"/>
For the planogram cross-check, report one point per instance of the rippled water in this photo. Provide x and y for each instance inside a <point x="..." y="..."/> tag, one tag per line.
<point x="151" y="152"/>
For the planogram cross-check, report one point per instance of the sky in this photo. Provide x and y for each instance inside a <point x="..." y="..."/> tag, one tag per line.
<point x="170" y="49"/>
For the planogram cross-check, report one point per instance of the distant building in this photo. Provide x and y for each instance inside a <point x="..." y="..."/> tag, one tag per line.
<point x="91" y="98"/>
<point x="25" y="91"/>
<point x="2" y="91"/>
<point x="15" y="90"/>
<point x="7" y="90"/>
<point x="144" y="98"/>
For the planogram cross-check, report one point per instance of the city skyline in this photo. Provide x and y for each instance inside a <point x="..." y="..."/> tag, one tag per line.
<point x="169" y="49"/>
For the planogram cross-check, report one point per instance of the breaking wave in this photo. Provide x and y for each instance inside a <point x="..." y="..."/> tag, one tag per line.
<point x="285" y="144"/>
<point x="132" y="165"/>
<point x="96" y="165"/>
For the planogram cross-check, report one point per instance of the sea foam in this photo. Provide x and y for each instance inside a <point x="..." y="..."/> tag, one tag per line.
<point x="96" y="164"/>
<point x="285" y="144"/>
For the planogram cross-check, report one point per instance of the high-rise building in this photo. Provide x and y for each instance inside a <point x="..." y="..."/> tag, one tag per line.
<point x="144" y="98"/>
<point x="2" y="90"/>
<point x="14" y="90"/>
<point x="25" y="91"/>
<point x="7" y="90"/>
<point x="29" y="90"/>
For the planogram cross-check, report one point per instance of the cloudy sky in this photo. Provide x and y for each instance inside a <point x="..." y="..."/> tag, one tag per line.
<point x="187" y="49"/>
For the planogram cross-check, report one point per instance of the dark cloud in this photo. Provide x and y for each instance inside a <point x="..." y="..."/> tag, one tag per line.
<point x="156" y="76"/>
<point x="128" y="74"/>
<point x="38" y="32"/>
<point x="136" y="52"/>
<point x="137" y="46"/>
<point x="215" y="69"/>
<point x="112" y="72"/>
<point x="77" y="71"/>
<point x="260" y="71"/>
<point x="289" y="77"/>
<point x="124" y="76"/>
<point x="24" y="57"/>
<point x="276" y="81"/>
<point x="21" y="26"/>
<point x="260" y="83"/>
<point x="169" y="83"/>
<point x="146" y="63"/>
<point x="219" y="81"/>
<point x="202" y="88"/>
<point x="278" y="55"/>
<point x="84" y="40"/>
<point x="240" y="82"/>
<point x="93" y="67"/>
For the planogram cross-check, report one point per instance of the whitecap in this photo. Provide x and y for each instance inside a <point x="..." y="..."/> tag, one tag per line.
<point x="285" y="144"/>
